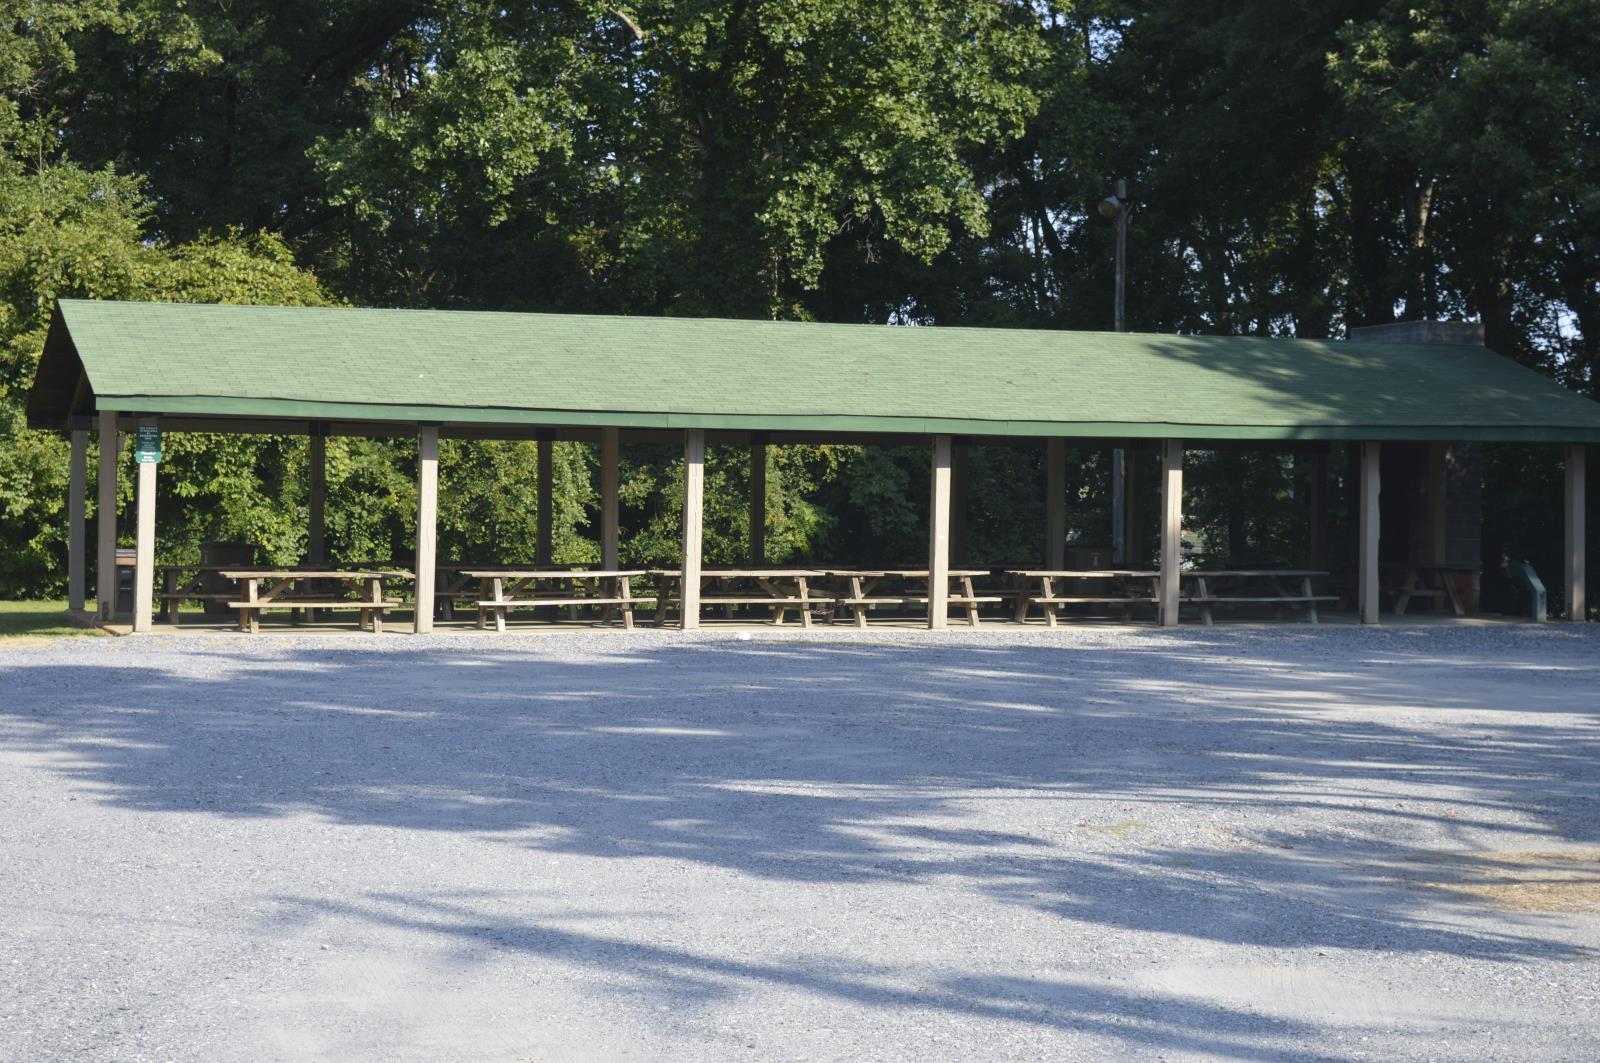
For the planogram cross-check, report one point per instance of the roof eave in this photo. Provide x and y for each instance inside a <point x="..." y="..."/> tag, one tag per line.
<point x="306" y="410"/>
<point x="60" y="386"/>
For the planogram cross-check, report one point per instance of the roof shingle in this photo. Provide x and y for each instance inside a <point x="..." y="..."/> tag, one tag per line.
<point x="552" y="369"/>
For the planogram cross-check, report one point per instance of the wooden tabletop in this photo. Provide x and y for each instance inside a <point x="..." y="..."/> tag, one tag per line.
<point x="912" y="573"/>
<point x="548" y="573"/>
<point x="1093" y="573"/>
<point x="233" y="571"/>
<point x="1295" y="572"/>
<point x="310" y="573"/>
<point x="742" y="573"/>
<point x="1419" y="566"/>
<point x="481" y="566"/>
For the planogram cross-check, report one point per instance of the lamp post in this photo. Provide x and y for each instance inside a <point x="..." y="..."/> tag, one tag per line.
<point x="1116" y="209"/>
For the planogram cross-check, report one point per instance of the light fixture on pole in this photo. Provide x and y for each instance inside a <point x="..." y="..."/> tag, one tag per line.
<point x="1116" y="208"/>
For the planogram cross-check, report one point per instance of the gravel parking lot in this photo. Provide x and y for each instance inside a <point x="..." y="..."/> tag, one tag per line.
<point x="1239" y="843"/>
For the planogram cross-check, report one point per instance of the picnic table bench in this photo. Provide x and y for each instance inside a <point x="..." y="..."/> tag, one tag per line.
<point x="1414" y="579"/>
<point x="261" y="589"/>
<point x="781" y="588"/>
<point x="1128" y="587"/>
<point x="1260" y="586"/>
<point x="501" y="590"/>
<point x="858" y="590"/>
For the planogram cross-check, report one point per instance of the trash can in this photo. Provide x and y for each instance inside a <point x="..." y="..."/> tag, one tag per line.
<point x="127" y="569"/>
<point x="1087" y="559"/>
<point x="222" y="555"/>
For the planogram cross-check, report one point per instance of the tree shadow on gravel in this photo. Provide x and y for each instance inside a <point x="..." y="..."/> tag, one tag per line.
<point x="855" y="762"/>
<point x="679" y="979"/>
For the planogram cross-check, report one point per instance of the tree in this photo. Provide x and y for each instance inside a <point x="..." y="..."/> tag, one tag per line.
<point x="66" y="231"/>
<point x="687" y="157"/>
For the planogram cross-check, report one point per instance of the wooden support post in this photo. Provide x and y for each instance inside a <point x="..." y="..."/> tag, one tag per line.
<point x="1576" y="473"/>
<point x="1171" y="528"/>
<point x="317" y="498"/>
<point x="1319" y="512"/>
<point x="960" y="492"/>
<point x="1438" y="504"/>
<point x="106" y="519"/>
<point x="1367" y="567"/>
<point x="1055" y="502"/>
<point x="694" y="488"/>
<point x="1133" y="541"/>
<point x="610" y="526"/>
<point x="939" y="535"/>
<point x="542" y="552"/>
<point x="77" y="540"/>
<point x="1118" y="509"/>
<point x="144" y="555"/>
<point x="758" y="498"/>
<point x="427" y="524"/>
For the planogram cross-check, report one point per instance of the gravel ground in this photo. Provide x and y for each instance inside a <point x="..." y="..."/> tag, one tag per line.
<point x="1239" y="843"/>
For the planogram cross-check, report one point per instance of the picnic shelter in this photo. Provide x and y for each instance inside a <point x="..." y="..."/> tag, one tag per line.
<point x="112" y="368"/>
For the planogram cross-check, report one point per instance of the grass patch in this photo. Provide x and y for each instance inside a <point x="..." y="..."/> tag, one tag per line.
<point x="38" y="620"/>
<point x="1562" y="881"/>
<point x="1117" y="830"/>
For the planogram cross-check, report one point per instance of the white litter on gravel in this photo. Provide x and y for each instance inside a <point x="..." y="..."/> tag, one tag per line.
<point x="1235" y="843"/>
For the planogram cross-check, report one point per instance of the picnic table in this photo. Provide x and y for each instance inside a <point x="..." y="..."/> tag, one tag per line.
<point x="458" y="584"/>
<point x="188" y="583"/>
<point x="781" y="588"/>
<point x="216" y="583"/>
<point x="1127" y="587"/>
<point x="1257" y="586"/>
<point x="285" y="588"/>
<point x="1414" y="580"/>
<point x="501" y="590"/>
<point x="859" y="589"/>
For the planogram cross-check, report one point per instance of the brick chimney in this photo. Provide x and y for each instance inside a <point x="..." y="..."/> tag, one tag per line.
<point x="1468" y="333"/>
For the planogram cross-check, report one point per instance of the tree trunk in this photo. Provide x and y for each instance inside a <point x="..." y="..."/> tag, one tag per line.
<point x="1420" y="286"/>
<point x="1372" y="290"/>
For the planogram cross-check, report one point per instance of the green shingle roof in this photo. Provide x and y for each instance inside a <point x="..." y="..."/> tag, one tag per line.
<point x="456" y="367"/>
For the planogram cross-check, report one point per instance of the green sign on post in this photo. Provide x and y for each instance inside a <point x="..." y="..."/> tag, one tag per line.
<point x="147" y="444"/>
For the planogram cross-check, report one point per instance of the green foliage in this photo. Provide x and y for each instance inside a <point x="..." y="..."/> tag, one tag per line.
<point x="1246" y="507"/>
<point x="651" y="498"/>
<point x="1482" y="116"/>
<point x="488" y="502"/>
<point x="33" y="504"/>
<point x="70" y="231"/>
<point x="690" y="157"/>
<point x="65" y="231"/>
